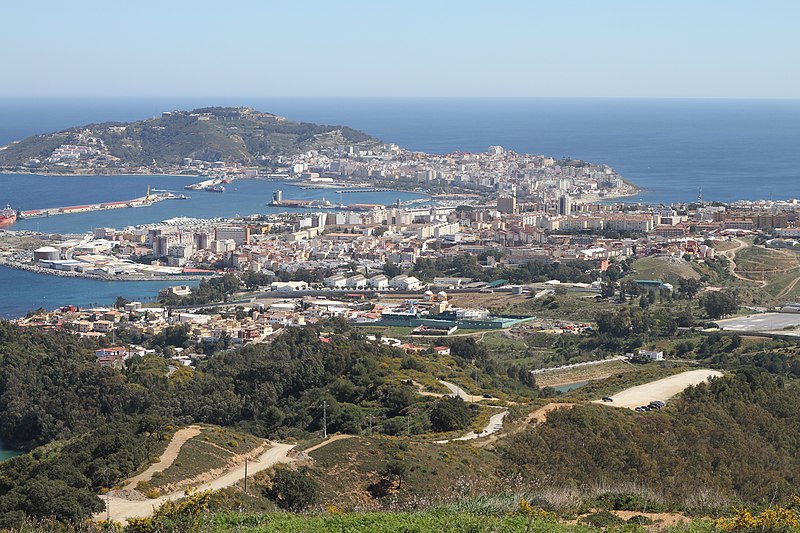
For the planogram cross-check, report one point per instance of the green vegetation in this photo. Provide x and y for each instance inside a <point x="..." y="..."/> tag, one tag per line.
<point x="467" y="266"/>
<point x="51" y="388"/>
<point x="237" y="135"/>
<point x="726" y="442"/>
<point x="293" y="490"/>
<point x="61" y="480"/>
<point x="667" y="269"/>
<point x="721" y="442"/>
<point x="213" y="449"/>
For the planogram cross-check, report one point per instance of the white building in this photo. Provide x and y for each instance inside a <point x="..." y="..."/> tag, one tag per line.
<point x="651" y="354"/>
<point x="379" y="282"/>
<point x="288" y="286"/>
<point x="337" y="281"/>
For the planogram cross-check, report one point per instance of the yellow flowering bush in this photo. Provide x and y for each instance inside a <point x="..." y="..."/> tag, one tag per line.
<point x="771" y="519"/>
<point x="531" y="511"/>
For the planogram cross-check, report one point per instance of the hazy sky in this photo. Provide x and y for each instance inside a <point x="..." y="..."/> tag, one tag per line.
<point x="638" y="48"/>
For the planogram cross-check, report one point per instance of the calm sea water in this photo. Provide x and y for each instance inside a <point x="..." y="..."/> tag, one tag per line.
<point x="26" y="291"/>
<point x="6" y="454"/>
<point x="732" y="149"/>
<point x="244" y="197"/>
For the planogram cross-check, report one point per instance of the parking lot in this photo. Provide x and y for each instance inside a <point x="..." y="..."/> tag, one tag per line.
<point x="783" y="323"/>
<point x="661" y="389"/>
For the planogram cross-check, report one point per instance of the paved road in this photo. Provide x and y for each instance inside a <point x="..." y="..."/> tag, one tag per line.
<point x="661" y="389"/>
<point x="122" y="509"/>
<point x="780" y="323"/>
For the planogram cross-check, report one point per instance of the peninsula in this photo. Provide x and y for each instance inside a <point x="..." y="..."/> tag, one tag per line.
<point x="220" y="143"/>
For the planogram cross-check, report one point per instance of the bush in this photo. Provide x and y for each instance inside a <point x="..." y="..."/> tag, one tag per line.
<point x="640" y="520"/>
<point x="293" y="490"/>
<point x="602" y="519"/>
<point x="450" y="414"/>
<point x="626" y="502"/>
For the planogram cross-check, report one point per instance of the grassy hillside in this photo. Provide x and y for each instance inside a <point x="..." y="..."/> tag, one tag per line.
<point x="239" y="135"/>
<point x="669" y="269"/>
<point x="763" y="264"/>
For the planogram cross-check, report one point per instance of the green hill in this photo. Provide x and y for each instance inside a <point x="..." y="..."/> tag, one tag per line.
<point x="233" y="135"/>
<point x="669" y="269"/>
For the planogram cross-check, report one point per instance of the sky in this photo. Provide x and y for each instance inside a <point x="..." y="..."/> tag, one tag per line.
<point x="405" y="48"/>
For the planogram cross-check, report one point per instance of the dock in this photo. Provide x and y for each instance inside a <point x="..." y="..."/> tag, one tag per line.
<point x="144" y="201"/>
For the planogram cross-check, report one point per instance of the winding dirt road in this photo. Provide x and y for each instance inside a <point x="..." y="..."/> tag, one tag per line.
<point x="122" y="509"/>
<point x="167" y="458"/>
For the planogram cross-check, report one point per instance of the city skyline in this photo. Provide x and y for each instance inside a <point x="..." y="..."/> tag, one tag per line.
<point x="578" y="49"/>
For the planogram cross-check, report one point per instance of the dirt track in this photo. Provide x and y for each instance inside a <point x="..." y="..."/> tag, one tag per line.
<point x="122" y="509"/>
<point x="168" y="457"/>
<point x="661" y="389"/>
<point x="540" y="415"/>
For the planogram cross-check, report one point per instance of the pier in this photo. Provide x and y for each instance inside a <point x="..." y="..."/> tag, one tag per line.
<point x="144" y="201"/>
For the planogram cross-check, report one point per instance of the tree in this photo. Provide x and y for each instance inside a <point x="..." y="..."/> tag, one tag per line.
<point x="391" y="270"/>
<point x="688" y="287"/>
<point x="450" y="414"/>
<point x="395" y="469"/>
<point x="719" y="304"/>
<point x="607" y="289"/>
<point x="293" y="490"/>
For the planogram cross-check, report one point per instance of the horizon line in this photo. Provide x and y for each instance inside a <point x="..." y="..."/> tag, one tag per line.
<point x="395" y="97"/>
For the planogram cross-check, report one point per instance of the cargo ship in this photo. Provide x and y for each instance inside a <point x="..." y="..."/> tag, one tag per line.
<point x="7" y="216"/>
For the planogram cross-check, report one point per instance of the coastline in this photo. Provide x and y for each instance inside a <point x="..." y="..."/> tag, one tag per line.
<point x="70" y="274"/>
<point x="40" y="172"/>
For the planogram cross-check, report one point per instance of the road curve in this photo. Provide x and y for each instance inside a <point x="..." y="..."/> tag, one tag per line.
<point x="168" y="457"/>
<point x="123" y="509"/>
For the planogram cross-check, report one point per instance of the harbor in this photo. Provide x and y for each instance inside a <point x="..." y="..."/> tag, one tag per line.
<point x="144" y="201"/>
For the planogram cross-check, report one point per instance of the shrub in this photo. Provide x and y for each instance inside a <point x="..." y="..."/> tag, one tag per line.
<point x="293" y="490"/>
<point x="602" y="519"/>
<point x="640" y="520"/>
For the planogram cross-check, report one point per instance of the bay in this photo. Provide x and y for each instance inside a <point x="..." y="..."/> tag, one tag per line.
<point x="22" y="291"/>
<point x="242" y="197"/>
<point x="732" y="149"/>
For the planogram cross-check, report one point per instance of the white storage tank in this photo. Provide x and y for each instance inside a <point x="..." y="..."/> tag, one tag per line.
<point x="46" y="253"/>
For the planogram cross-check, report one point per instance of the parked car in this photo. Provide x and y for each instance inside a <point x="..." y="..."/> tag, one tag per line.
<point x="607" y="399"/>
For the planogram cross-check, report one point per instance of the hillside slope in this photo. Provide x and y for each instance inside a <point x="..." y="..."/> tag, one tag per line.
<point x="233" y="135"/>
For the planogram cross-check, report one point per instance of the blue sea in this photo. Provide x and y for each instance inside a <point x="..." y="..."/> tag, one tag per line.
<point x="731" y="149"/>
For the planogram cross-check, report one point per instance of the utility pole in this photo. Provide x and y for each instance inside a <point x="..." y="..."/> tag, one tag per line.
<point x="245" y="474"/>
<point x="370" y="424"/>
<point x="108" y="499"/>
<point x="324" y="419"/>
<point x="476" y="380"/>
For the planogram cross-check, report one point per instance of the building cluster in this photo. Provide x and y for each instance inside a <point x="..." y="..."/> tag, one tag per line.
<point x="356" y="245"/>
<point x="535" y="178"/>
